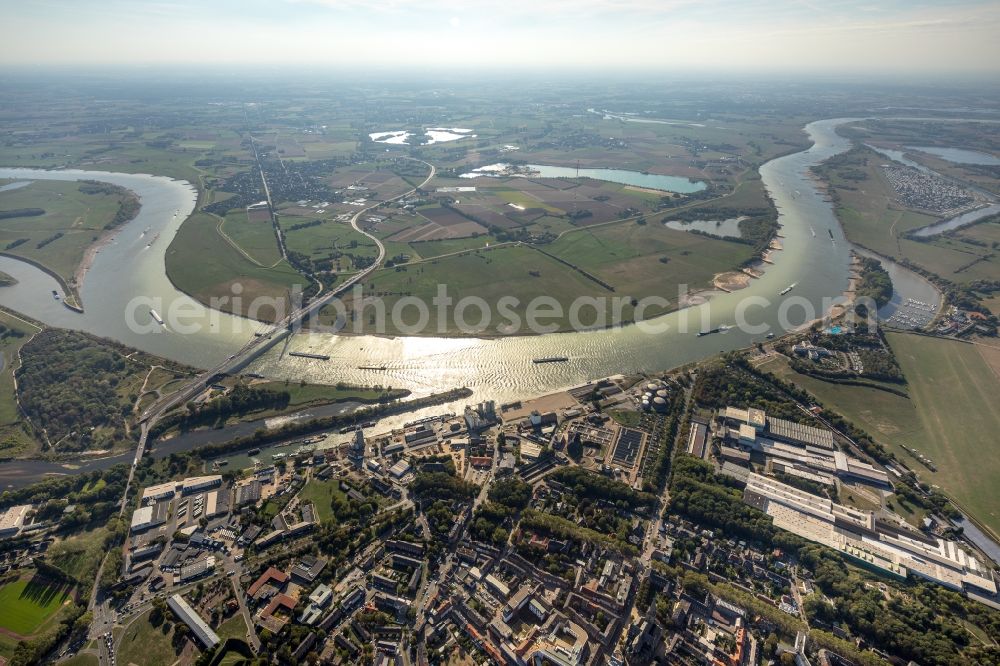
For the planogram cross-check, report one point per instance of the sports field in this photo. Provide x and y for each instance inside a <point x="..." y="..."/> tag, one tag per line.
<point x="26" y="603"/>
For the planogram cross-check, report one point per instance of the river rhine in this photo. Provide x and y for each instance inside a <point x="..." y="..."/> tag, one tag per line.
<point x="815" y="258"/>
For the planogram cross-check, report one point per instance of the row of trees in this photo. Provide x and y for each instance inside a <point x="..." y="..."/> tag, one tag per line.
<point x="586" y="484"/>
<point x="241" y="400"/>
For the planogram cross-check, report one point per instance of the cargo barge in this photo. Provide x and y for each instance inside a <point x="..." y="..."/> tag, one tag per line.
<point x="318" y="357"/>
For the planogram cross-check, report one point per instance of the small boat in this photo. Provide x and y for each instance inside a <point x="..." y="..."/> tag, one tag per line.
<point x="253" y="452"/>
<point x="55" y="294"/>
<point x="788" y="289"/>
<point x="813" y="232"/>
<point x="770" y="335"/>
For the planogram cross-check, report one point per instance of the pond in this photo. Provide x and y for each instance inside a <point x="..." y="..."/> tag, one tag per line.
<point x="728" y="228"/>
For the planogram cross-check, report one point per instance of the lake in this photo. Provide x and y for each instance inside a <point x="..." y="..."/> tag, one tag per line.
<point x="650" y="181"/>
<point x="729" y="228"/>
<point x="959" y="155"/>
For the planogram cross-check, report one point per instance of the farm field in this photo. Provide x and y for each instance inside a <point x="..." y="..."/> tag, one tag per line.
<point x="490" y="275"/>
<point x="636" y="260"/>
<point x="202" y="263"/>
<point x="640" y="260"/>
<point x="331" y="243"/>
<point x="253" y="232"/>
<point x="28" y="602"/>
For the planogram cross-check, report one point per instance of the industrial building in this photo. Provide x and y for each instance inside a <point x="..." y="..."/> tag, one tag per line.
<point x="149" y="516"/>
<point x="159" y="492"/>
<point x="196" y="483"/>
<point x="400" y="469"/>
<point x="356" y="452"/>
<point x="815" y="463"/>
<point x="216" y="503"/>
<point x="756" y="421"/>
<point x="865" y="539"/>
<point x="248" y="493"/>
<point x="188" y="616"/>
<point x="697" y="437"/>
<point x="12" y="520"/>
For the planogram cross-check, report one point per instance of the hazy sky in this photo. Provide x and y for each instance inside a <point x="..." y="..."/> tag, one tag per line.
<point x="932" y="36"/>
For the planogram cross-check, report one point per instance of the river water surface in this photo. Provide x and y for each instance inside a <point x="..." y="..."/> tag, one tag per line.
<point x="815" y="258"/>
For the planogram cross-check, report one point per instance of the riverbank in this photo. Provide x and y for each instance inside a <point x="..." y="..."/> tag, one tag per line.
<point x="89" y="255"/>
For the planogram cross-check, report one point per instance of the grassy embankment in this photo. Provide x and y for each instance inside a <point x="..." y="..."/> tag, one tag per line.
<point x="15" y="439"/>
<point x="303" y="395"/>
